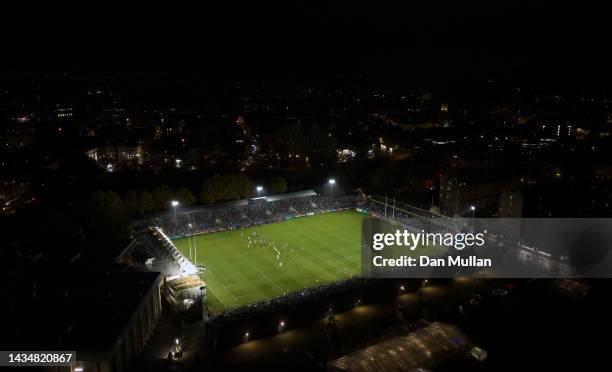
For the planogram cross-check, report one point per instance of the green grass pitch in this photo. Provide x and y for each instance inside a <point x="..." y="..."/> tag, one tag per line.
<point x="295" y="254"/>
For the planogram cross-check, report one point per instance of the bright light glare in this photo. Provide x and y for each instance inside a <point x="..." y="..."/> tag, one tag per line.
<point x="175" y="203"/>
<point x="332" y="181"/>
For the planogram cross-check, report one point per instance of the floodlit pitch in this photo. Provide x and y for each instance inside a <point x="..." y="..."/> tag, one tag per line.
<point x="246" y="266"/>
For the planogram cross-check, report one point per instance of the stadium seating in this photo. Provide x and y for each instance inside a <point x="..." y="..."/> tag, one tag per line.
<point x="217" y="219"/>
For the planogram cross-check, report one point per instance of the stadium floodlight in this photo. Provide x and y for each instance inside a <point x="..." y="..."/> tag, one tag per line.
<point x="259" y="190"/>
<point x="176" y="341"/>
<point x="175" y="204"/>
<point x="331" y="182"/>
<point x="473" y="209"/>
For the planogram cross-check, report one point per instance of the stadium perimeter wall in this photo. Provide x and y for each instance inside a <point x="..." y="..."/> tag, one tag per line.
<point x="296" y="309"/>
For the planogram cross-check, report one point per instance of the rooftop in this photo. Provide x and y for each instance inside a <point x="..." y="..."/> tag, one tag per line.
<point x="84" y="311"/>
<point x="186" y="282"/>
<point x="425" y="347"/>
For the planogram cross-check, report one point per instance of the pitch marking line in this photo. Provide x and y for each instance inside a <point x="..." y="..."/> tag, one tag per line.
<point x="218" y="298"/>
<point x="264" y="275"/>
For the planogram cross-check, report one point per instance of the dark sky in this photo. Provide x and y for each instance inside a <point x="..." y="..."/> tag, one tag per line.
<point x="543" y="40"/>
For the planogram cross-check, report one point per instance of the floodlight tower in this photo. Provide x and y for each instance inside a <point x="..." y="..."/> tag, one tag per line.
<point x="175" y="204"/>
<point x="331" y="182"/>
<point x="259" y="190"/>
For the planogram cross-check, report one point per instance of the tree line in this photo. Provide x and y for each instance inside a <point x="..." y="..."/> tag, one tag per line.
<point x="214" y="189"/>
<point x="106" y="212"/>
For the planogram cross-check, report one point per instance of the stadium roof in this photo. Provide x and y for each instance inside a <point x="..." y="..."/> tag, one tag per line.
<point x="291" y="195"/>
<point x="186" y="282"/>
<point x="425" y="347"/>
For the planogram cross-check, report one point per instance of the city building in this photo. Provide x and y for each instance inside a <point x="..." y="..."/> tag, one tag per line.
<point x="473" y="194"/>
<point x="299" y="142"/>
<point x="118" y="153"/>
<point x="107" y="317"/>
<point x="510" y="203"/>
<point x="64" y="112"/>
<point x="432" y="345"/>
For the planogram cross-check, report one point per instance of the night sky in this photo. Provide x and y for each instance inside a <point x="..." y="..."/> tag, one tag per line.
<point x="544" y="41"/>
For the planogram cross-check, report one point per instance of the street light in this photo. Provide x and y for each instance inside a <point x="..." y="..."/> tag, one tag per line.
<point x="259" y="190"/>
<point x="175" y="204"/>
<point x="331" y="182"/>
<point x="473" y="209"/>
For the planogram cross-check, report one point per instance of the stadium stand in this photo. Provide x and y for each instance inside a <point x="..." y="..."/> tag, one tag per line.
<point x="158" y="250"/>
<point x="241" y="216"/>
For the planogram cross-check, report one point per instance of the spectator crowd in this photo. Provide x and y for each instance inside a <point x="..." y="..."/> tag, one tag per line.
<point x="212" y="219"/>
